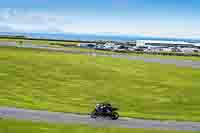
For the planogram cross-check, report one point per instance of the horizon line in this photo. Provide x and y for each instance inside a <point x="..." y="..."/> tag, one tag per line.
<point x="104" y="34"/>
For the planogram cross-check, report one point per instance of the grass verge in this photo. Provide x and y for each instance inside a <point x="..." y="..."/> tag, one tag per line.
<point x="13" y="126"/>
<point x="65" y="43"/>
<point x="54" y="81"/>
<point x="24" y="41"/>
<point x="167" y="57"/>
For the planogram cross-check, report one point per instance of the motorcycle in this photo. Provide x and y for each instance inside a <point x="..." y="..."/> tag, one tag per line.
<point x="111" y="113"/>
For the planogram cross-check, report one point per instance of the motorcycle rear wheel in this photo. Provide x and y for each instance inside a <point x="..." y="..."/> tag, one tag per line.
<point x="93" y="114"/>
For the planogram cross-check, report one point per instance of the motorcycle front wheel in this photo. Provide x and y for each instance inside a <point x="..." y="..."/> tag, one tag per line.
<point x="114" y="116"/>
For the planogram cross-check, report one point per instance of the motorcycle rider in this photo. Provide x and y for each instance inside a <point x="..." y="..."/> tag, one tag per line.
<point x="97" y="107"/>
<point x="105" y="110"/>
<point x="104" y="107"/>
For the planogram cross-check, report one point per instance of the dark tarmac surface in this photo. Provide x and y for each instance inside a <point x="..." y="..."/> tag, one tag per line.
<point x="67" y="118"/>
<point x="179" y="63"/>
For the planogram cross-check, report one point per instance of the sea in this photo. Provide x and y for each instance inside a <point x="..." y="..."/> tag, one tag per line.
<point x="94" y="37"/>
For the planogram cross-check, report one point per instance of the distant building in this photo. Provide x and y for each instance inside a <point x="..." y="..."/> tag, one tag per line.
<point x="190" y="50"/>
<point x="87" y="45"/>
<point x="167" y="49"/>
<point x="163" y="43"/>
<point x="197" y="45"/>
<point x="131" y="43"/>
<point x="110" y="44"/>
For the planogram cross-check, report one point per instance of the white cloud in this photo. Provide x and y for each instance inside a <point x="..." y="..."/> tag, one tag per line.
<point x="19" y="20"/>
<point x="27" y="21"/>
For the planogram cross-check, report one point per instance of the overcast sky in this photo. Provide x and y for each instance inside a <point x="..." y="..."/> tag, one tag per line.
<point x="165" y="18"/>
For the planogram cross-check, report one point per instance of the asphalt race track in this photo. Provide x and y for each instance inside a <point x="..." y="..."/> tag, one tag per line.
<point x="55" y="117"/>
<point x="179" y="63"/>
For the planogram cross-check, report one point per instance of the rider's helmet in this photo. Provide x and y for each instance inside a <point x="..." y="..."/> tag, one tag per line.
<point x="97" y="106"/>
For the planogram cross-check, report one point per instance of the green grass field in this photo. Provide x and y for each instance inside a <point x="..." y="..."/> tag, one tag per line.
<point x="62" y="43"/>
<point x="37" y="41"/>
<point x="86" y="50"/>
<point x="168" y="57"/>
<point x="54" y="44"/>
<point x="13" y="126"/>
<point x="74" y="83"/>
